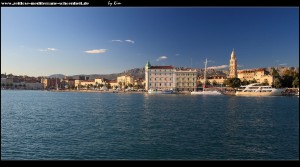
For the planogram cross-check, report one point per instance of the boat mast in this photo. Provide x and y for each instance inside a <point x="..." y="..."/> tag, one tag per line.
<point x="205" y="74"/>
<point x="56" y="83"/>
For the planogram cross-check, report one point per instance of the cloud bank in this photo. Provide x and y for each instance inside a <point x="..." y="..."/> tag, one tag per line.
<point x="96" y="51"/>
<point x="283" y="64"/>
<point x="121" y="41"/>
<point x="116" y="40"/>
<point x="218" y="67"/>
<point x="48" y="49"/>
<point x="161" y="58"/>
<point x="130" y="41"/>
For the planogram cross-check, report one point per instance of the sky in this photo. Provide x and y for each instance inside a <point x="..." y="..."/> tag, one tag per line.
<point x="41" y="41"/>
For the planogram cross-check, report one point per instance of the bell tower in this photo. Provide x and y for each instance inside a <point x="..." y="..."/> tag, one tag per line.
<point x="233" y="66"/>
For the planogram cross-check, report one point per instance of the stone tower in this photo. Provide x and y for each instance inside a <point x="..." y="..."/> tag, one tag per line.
<point x="233" y="66"/>
<point x="147" y="67"/>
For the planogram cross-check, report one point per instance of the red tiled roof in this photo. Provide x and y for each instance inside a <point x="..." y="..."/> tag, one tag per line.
<point x="161" y="67"/>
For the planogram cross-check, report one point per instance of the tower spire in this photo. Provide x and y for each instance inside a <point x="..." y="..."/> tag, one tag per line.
<point x="232" y="65"/>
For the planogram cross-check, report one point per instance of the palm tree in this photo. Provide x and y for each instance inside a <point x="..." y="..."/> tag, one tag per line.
<point x="296" y="82"/>
<point x="277" y="83"/>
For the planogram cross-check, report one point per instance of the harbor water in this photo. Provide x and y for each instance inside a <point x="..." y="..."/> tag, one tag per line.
<point x="43" y="125"/>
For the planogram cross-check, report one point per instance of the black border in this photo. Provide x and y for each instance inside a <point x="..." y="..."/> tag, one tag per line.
<point x="147" y="3"/>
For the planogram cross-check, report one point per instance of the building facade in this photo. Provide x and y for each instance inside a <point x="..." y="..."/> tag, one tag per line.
<point x="159" y="77"/>
<point x="259" y="75"/>
<point x="233" y="66"/>
<point x="186" y="79"/>
<point x="125" y="80"/>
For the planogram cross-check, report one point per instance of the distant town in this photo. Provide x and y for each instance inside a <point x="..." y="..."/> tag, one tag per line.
<point x="159" y="77"/>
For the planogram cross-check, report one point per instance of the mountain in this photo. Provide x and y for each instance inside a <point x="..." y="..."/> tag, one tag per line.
<point x="60" y="76"/>
<point x="135" y="72"/>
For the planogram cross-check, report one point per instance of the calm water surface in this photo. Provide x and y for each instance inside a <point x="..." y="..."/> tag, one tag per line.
<point x="72" y="125"/>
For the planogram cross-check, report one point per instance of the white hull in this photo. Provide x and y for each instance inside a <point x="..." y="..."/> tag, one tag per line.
<point x="160" y="92"/>
<point x="254" y="90"/>
<point x="257" y="94"/>
<point x="206" y="93"/>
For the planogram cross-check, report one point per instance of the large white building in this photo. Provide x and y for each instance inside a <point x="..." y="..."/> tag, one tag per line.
<point x="159" y="77"/>
<point x="169" y="77"/>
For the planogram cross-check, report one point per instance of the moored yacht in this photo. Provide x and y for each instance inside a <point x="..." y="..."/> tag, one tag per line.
<point x="206" y="92"/>
<point x="156" y="91"/>
<point x="258" y="90"/>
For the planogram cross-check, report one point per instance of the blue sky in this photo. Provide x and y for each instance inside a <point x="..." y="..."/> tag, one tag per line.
<point x="103" y="40"/>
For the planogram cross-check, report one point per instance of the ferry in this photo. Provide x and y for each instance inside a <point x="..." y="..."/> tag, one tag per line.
<point x="258" y="90"/>
<point x="155" y="91"/>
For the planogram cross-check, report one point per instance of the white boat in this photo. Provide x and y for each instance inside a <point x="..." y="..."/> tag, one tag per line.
<point x="206" y="92"/>
<point x="258" y="90"/>
<point x="155" y="91"/>
<point x="213" y="92"/>
<point x="297" y="93"/>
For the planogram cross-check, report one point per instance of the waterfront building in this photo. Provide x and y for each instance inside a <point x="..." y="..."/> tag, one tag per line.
<point x="139" y="82"/>
<point x="114" y="84"/>
<point x="87" y="82"/>
<point x="260" y="75"/>
<point x="69" y="83"/>
<point x="32" y="85"/>
<point x="186" y="79"/>
<point x="50" y="83"/>
<point x="102" y="81"/>
<point x="77" y="83"/>
<point x="6" y="81"/>
<point x="233" y="66"/>
<point x="125" y="80"/>
<point x="218" y="79"/>
<point x="159" y="77"/>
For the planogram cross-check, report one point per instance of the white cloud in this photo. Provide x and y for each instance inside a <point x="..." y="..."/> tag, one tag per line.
<point x="130" y="41"/>
<point x="116" y="40"/>
<point x="218" y="67"/>
<point x="177" y="54"/>
<point x="283" y="64"/>
<point x="48" y="49"/>
<point x="240" y="65"/>
<point x="161" y="58"/>
<point x="96" y="51"/>
<point x="51" y="49"/>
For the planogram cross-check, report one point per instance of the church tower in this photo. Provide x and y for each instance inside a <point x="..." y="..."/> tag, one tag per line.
<point x="147" y="67"/>
<point x="233" y="66"/>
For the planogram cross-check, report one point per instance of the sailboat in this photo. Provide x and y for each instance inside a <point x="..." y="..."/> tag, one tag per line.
<point x="206" y="92"/>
